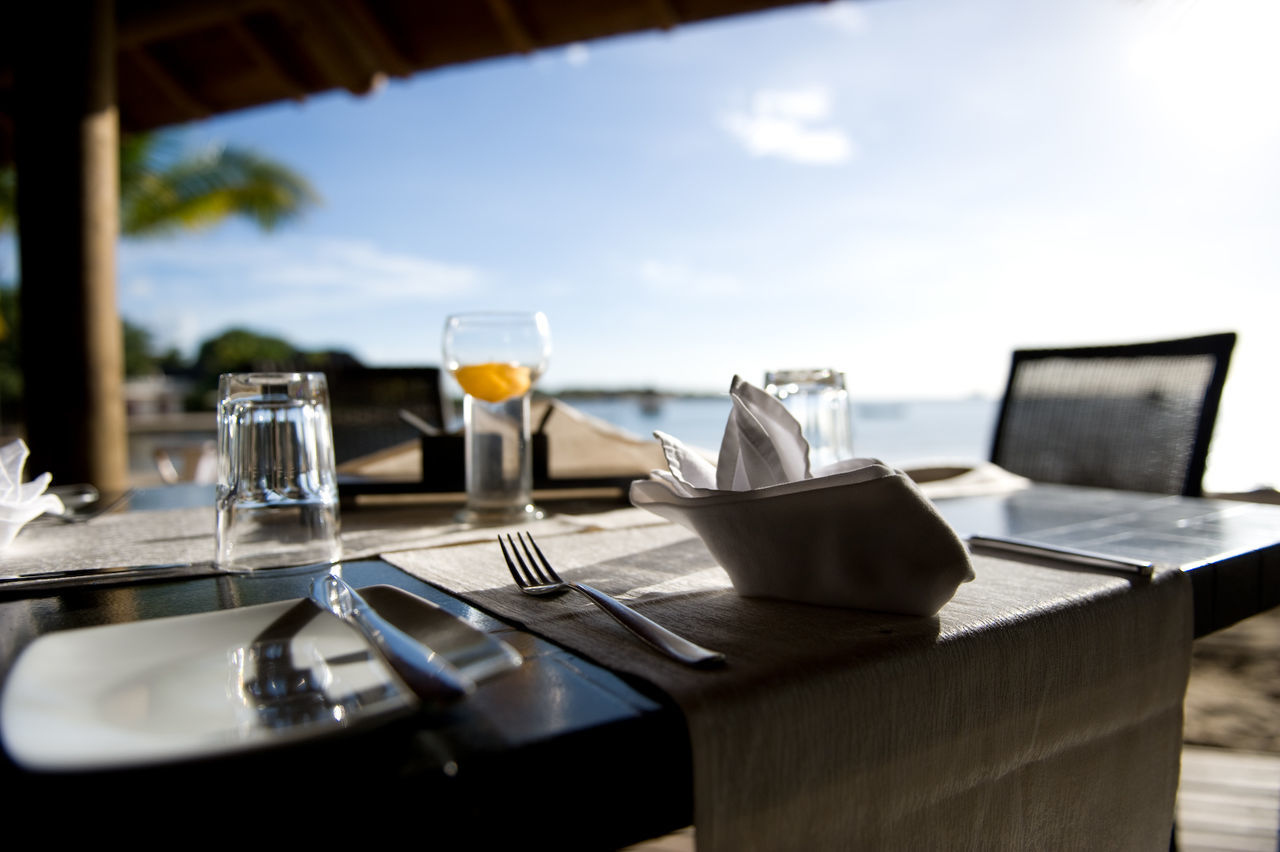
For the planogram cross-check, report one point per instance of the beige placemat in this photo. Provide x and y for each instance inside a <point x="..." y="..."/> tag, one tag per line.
<point x="186" y="536"/>
<point x="1042" y="708"/>
<point x="168" y="537"/>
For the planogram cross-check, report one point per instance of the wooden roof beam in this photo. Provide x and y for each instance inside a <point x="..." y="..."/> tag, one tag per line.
<point x="340" y="56"/>
<point x="668" y="17"/>
<point x="268" y="60"/>
<point x="181" y="17"/>
<point x="514" y="32"/>
<point x="177" y="94"/>
<point x="355" y="16"/>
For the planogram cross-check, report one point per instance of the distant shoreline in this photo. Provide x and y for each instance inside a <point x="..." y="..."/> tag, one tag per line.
<point x="570" y="394"/>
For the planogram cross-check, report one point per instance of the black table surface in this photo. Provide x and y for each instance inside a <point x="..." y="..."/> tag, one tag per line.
<point x="558" y="723"/>
<point x="560" y="728"/>
<point x="1231" y="549"/>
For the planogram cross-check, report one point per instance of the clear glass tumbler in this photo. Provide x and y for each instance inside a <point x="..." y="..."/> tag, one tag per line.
<point x="817" y="398"/>
<point x="496" y="357"/>
<point x="277" y="502"/>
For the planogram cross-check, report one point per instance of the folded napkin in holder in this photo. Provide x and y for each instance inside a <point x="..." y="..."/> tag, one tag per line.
<point x="857" y="534"/>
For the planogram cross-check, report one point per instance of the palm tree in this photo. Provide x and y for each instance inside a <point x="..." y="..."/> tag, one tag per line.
<point x="8" y="198"/>
<point x="163" y="189"/>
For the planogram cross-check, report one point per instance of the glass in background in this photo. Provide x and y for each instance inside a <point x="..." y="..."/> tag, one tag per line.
<point x="817" y="398"/>
<point x="496" y="357"/>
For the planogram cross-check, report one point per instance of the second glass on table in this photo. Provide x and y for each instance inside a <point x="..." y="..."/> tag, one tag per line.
<point x="818" y="400"/>
<point x="496" y="357"/>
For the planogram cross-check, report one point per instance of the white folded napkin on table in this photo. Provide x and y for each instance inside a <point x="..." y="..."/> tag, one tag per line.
<point x="20" y="501"/>
<point x="856" y="533"/>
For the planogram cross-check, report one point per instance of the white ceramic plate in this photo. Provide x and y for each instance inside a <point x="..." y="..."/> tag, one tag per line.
<point x="199" y="685"/>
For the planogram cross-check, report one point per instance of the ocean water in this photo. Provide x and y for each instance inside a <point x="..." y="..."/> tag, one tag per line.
<point x="896" y="432"/>
<point x="1242" y="456"/>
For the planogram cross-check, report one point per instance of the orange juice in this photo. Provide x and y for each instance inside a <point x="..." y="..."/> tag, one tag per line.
<point x="494" y="382"/>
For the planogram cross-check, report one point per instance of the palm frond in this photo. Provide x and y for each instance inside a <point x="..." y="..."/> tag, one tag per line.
<point x="199" y="191"/>
<point x="162" y="190"/>
<point x="8" y="199"/>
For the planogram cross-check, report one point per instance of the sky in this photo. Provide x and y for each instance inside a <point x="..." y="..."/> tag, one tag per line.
<point x="903" y="189"/>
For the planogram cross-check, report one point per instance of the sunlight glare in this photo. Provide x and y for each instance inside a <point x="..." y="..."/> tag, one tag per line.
<point x="1214" y="67"/>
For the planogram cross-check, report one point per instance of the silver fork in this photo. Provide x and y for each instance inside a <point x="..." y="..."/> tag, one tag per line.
<point x="535" y="576"/>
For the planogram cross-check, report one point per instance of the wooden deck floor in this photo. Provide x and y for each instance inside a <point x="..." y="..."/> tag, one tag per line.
<point x="1228" y="801"/>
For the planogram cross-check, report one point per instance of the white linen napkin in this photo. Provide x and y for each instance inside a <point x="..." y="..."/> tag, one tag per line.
<point x="855" y="534"/>
<point x="763" y="445"/>
<point x="21" y="502"/>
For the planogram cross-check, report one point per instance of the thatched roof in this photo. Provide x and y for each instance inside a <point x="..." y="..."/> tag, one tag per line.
<point x="179" y="60"/>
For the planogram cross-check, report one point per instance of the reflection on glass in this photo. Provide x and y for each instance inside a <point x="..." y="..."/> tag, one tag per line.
<point x="287" y="683"/>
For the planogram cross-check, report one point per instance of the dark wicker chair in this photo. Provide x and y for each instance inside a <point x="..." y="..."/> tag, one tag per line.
<point x="1136" y="417"/>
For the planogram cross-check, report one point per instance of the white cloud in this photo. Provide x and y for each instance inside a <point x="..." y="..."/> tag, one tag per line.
<point x="314" y="292"/>
<point x="364" y="268"/>
<point x="577" y="54"/>
<point x="326" y="268"/>
<point x="678" y="279"/>
<point x="139" y="286"/>
<point x="846" y="16"/>
<point x="794" y="105"/>
<point x="1212" y="68"/>
<point x="791" y="125"/>
<point x="185" y="331"/>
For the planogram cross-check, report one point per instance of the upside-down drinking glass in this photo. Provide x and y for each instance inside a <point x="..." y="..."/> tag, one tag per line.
<point x="277" y="500"/>
<point x="496" y="357"/>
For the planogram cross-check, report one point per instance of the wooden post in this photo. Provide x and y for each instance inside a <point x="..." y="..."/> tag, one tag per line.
<point x="67" y="146"/>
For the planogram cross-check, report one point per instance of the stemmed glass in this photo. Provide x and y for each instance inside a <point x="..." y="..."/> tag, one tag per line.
<point x="496" y="357"/>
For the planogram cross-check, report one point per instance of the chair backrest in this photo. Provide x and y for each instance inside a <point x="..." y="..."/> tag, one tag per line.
<point x="1136" y="417"/>
<point x="365" y="406"/>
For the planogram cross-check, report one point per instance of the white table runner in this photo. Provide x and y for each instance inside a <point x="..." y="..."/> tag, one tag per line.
<point x="1040" y="708"/>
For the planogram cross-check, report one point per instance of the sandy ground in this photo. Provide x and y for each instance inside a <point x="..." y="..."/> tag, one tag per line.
<point x="1233" y="699"/>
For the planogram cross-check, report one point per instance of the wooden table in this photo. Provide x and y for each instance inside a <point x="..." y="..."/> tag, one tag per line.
<point x="561" y="726"/>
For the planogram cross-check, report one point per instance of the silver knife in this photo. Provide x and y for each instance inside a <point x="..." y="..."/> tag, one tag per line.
<point x="432" y="678"/>
<point x="80" y="577"/>
<point x="1062" y="553"/>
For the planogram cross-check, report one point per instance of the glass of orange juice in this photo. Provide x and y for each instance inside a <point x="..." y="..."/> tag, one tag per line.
<point x="496" y="357"/>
